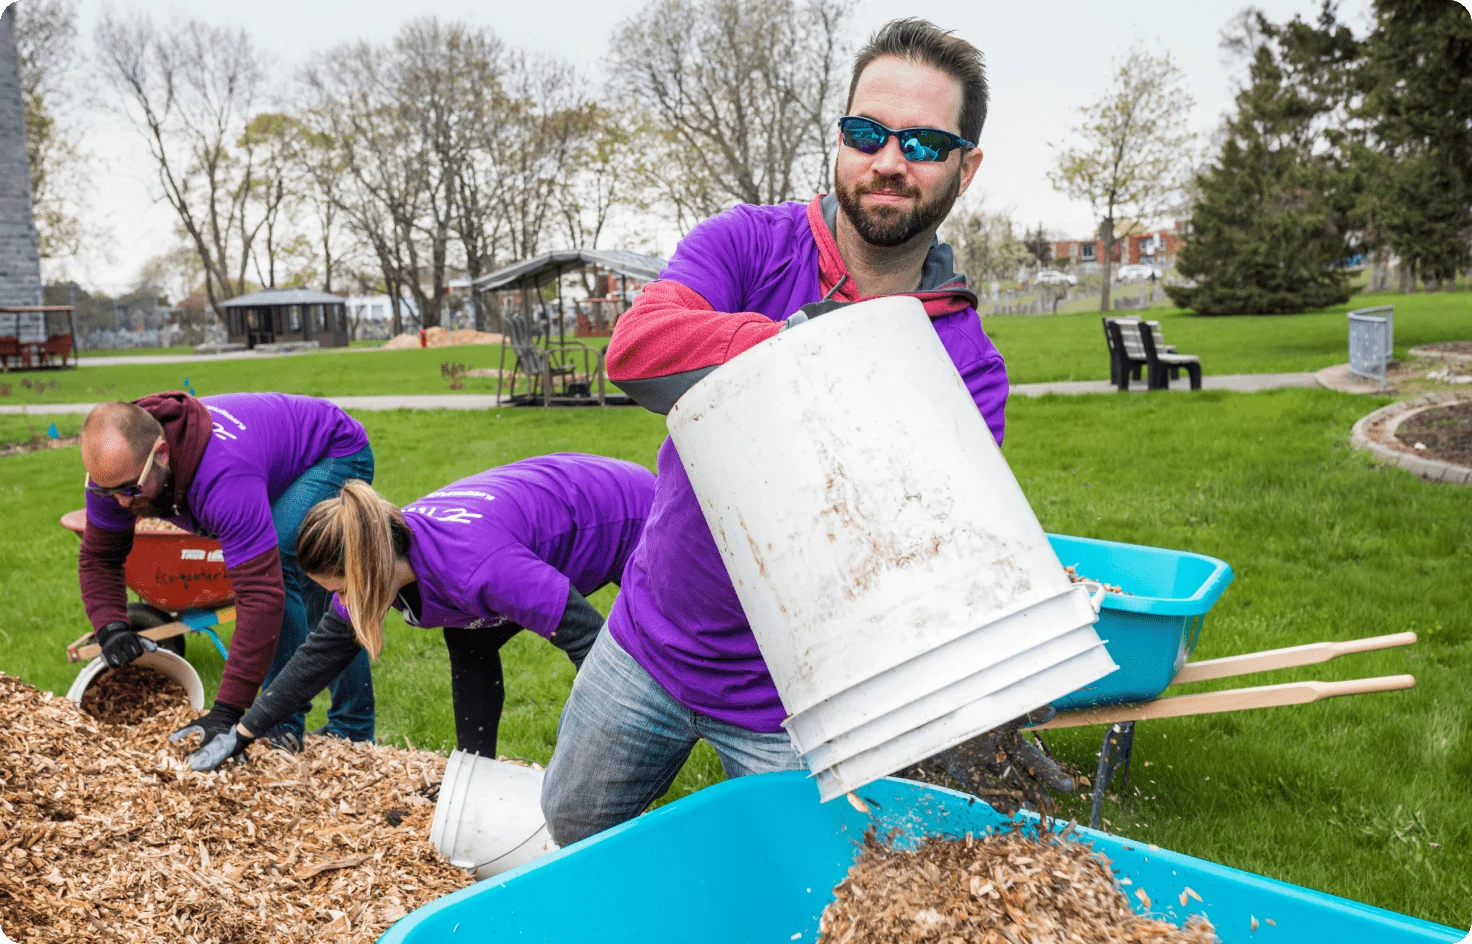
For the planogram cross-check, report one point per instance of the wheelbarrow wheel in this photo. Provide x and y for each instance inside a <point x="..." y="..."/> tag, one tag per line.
<point x="143" y="616"/>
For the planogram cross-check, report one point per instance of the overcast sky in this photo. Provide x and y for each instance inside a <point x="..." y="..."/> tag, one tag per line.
<point x="1044" y="60"/>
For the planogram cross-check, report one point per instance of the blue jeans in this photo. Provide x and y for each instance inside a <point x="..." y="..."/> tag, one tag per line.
<point x="351" y="714"/>
<point x="623" y="739"/>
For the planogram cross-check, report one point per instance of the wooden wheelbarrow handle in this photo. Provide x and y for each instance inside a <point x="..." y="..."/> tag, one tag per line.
<point x="1272" y="659"/>
<point x="1236" y="699"/>
<point x="83" y="650"/>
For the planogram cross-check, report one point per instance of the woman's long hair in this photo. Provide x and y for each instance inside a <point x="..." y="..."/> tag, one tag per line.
<point x="357" y="536"/>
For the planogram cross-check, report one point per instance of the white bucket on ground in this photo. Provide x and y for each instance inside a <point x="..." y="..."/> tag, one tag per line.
<point x="902" y="592"/>
<point x="489" y="815"/>
<point x="162" y="661"/>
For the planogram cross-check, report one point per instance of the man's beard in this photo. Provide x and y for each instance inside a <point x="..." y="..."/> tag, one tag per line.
<point x="160" y="505"/>
<point x="891" y="226"/>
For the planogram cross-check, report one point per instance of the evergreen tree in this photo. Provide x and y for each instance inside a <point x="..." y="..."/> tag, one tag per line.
<point x="1415" y="106"/>
<point x="1270" y="224"/>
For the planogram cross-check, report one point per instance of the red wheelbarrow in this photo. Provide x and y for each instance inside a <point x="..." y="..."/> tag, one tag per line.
<point x="181" y="580"/>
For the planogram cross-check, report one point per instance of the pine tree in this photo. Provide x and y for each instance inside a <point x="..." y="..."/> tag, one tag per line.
<point x="1415" y="84"/>
<point x="1270" y="225"/>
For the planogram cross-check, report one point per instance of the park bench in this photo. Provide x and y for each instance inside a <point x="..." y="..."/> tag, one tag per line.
<point x="1134" y="344"/>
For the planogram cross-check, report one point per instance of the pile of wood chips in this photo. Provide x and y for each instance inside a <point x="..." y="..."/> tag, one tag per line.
<point x="107" y="835"/>
<point x="1075" y="577"/>
<point x="998" y="889"/>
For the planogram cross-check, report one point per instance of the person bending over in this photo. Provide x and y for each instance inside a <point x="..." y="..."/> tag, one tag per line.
<point x="520" y="546"/>
<point x="243" y="468"/>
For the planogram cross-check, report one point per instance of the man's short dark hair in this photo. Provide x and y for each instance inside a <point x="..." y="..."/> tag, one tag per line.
<point x="917" y="40"/>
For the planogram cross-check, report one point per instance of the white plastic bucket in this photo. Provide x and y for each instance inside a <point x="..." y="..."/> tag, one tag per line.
<point x="162" y="661"/>
<point x="489" y="815"/>
<point x="902" y="592"/>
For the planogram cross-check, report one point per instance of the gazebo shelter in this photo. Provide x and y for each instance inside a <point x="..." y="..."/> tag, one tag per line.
<point x="559" y="371"/>
<point x="286" y="315"/>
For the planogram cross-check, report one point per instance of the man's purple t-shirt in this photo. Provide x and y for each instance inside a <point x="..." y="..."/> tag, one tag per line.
<point x="262" y="442"/>
<point x="504" y="545"/>
<point x="677" y="613"/>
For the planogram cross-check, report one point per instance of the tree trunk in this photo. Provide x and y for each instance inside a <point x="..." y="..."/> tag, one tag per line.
<point x="1106" y="265"/>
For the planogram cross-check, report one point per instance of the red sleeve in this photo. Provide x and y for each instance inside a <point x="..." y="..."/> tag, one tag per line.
<point x="100" y="573"/>
<point x="672" y="329"/>
<point x="260" y="603"/>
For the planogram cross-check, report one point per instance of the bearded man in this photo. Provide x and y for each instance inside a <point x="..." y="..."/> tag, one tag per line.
<point x="679" y="661"/>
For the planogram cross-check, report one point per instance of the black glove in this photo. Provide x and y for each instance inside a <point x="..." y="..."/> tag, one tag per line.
<point x="120" y="645"/>
<point x="215" y="722"/>
<point x="226" y="746"/>
<point x="1006" y="769"/>
<point x="812" y="310"/>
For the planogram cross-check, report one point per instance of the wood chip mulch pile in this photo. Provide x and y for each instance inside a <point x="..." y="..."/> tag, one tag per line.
<point x="1075" y="577"/>
<point x="106" y="835"/>
<point x="132" y="695"/>
<point x="1005" y="888"/>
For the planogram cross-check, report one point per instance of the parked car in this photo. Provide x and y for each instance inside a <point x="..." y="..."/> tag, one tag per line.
<point x="1054" y="277"/>
<point x="1134" y="273"/>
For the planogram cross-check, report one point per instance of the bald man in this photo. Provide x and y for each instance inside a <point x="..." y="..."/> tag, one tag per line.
<point x="243" y="468"/>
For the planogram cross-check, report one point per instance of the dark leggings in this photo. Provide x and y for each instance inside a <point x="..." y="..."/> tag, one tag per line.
<point x="477" y="686"/>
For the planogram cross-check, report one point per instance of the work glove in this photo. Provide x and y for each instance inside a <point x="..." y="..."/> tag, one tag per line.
<point x="120" y="645"/>
<point x="1005" y="768"/>
<point x="209" y="726"/>
<point x="810" y="311"/>
<point x="229" y="745"/>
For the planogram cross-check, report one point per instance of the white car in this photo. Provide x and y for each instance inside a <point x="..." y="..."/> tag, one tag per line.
<point x="1054" y="277"/>
<point x="1134" y="273"/>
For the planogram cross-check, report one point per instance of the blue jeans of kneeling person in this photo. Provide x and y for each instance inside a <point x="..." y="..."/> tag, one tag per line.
<point x="351" y="713"/>
<point x="623" y="739"/>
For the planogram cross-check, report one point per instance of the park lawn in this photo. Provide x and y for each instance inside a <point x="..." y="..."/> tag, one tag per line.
<point x="138" y="352"/>
<point x="1348" y="795"/>
<point x="22" y="429"/>
<point x="1041" y="348"/>
<point x="334" y="372"/>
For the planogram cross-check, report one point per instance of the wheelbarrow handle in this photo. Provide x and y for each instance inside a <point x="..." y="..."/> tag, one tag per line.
<point x="82" y="650"/>
<point x="1235" y="699"/>
<point x="1273" y="659"/>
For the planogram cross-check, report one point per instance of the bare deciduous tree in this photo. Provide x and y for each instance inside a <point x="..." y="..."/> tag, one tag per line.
<point x="45" y="38"/>
<point x="189" y="90"/>
<point x="986" y="243"/>
<point x="741" y="94"/>
<point x="1134" y="151"/>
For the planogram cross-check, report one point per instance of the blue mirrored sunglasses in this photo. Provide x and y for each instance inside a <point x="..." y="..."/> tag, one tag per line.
<point x="917" y="144"/>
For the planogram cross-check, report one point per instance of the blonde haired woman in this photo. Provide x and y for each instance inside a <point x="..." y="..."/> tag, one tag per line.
<point x="516" y="547"/>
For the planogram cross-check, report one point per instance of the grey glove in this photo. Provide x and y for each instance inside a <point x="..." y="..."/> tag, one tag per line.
<point x="226" y="746"/>
<point x="810" y="311"/>
<point x="211" y="725"/>
<point x="120" y="645"/>
<point x="1006" y="769"/>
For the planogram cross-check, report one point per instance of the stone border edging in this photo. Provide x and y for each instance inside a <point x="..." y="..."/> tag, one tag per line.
<point x="1428" y="351"/>
<point x="1375" y="433"/>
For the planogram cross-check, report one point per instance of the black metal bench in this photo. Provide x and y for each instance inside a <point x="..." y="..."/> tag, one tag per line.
<point x="1136" y="344"/>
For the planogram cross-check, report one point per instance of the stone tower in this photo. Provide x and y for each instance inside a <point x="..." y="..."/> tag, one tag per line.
<point x="20" y="263"/>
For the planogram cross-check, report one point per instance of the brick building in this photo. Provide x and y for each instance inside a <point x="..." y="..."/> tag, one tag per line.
<point x="1157" y="247"/>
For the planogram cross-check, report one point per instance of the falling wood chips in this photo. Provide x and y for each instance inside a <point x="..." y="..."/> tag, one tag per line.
<point x="106" y="835"/>
<point x="998" y="889"/>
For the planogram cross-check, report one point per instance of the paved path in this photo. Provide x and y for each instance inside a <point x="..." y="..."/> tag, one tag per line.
<point x="115" y="360"/>
<point x="1242" y="383"/>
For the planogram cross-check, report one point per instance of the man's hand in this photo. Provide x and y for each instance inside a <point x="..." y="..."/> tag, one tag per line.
<point x="220" y="719"/>
<point x="120" y="645"/>
<point x="810" y="311"/>
<point x="1005" y="768"/>
<point x="231" y="744"/>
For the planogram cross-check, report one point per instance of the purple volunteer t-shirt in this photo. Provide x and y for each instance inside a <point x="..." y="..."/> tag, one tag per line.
<point x="262" y="442"/>
<point x="677" y="613"/>
<point x="504" y="544"/>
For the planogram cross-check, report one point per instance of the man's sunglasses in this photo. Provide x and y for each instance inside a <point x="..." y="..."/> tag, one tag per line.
<point x="917" y="144"/>
<point x="131" y="490"/>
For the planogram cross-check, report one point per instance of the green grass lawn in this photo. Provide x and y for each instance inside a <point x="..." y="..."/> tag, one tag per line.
<point x="1364" y="797"/>
<point x="1071" y="347"/>
<point x="138" y="352"/>
<point x="1037" y="348"/>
